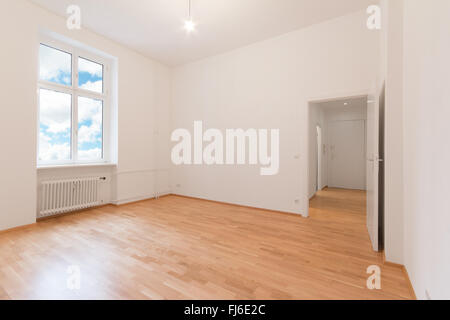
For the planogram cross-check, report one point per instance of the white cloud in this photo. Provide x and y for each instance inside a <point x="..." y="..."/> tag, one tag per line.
<point x="55" y="111"/>
<point x="90" y="110"/>
<point x="52" y="152"/>
<point x="92" y="154"/>
<point x="54" y="63"/>
<point x="90" y="67"/>
<point x="56" y="115"/>
<point x="90" y="134"/>
<point x="96" y="86"/>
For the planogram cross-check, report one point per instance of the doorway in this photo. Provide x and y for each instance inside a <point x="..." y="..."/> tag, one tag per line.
<point x="345" y="166"/>
<point x="342" y="170"/>
<point x="337" y="144"/>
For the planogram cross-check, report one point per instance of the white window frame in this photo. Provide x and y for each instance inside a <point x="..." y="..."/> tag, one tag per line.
<point x="76" y="92"/>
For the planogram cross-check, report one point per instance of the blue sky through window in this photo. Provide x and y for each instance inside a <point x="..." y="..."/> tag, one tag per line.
<point x="55" y="125"/>
<point x="55" y="65"/>
<point x="90" y="75"/>
<point x="90" y="129"/>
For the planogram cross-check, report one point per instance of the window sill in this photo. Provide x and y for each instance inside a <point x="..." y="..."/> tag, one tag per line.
<point x="75" y="166"/>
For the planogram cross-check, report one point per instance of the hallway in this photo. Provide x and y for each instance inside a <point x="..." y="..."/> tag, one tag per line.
<point x="339" y="201"/>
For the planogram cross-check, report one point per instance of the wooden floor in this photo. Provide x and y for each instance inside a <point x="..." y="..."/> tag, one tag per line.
<point x="179" y="248"/>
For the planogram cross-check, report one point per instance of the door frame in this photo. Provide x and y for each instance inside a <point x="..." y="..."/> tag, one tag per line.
<point x="309" y="105"/>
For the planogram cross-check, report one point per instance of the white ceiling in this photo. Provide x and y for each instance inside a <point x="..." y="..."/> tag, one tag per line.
<point x="154" y="27"/>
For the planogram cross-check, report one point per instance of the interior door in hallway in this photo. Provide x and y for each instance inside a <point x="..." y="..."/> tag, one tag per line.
<point x="373" y="163"/>
<point x="347" y="161"/>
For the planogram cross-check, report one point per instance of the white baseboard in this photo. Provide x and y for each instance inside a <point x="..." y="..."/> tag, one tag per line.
<point x="140" y="198"/>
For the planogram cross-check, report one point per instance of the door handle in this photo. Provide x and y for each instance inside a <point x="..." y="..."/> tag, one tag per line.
<point x="377" y="158"/>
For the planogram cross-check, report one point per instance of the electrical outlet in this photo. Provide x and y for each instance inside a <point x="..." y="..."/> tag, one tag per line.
<point x="178" y="185"/>
<point x="297" y="201"/>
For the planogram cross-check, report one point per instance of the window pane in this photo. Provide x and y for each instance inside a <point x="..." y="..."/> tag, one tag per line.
<point x="55" y="65"/>
<point x="90" y="129"/>
<point x="55" y="123"/>
<point x="90" y="75"/>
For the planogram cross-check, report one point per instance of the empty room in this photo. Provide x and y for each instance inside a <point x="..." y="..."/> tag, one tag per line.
<point x="224" y="150"/>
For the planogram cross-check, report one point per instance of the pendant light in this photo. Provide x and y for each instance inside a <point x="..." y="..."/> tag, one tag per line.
<point x="189" y="24"/>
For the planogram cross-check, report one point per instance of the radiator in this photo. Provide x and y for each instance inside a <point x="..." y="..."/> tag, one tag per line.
<point x="61" y="196"/>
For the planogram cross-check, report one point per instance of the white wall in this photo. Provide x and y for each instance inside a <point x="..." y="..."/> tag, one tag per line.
<point x="427" y="146"/>
<point x="18" y="115"/>
<point x="268" y="85"/>
<point x="358" y="111"/>
<point x="393" y="74"/>
<point x="144" y="116"/>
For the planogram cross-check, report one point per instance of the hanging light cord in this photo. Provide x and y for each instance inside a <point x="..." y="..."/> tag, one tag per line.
<point x="190" y="17"/>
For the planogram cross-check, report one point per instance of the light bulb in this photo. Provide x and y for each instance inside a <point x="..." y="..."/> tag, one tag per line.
<point x="189" y="25"/>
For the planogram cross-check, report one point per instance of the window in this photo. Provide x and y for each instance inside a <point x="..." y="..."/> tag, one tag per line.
<point x="73" y="106"/>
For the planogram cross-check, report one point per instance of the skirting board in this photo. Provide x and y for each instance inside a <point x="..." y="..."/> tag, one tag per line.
<point x="314" y="195"/>
<point x="238" y="205"/>
<point x="114" y="203"/>
<point x="137" y="199"/>
<point x="70" y="213"/>
<point x="405" y="272"/>
<point x="24" y="227"/>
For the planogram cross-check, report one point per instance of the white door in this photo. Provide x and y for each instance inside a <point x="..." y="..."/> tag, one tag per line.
<point x="372" y="168"/>
<point x="347" y="156"/>
<point x="319" y="159"/>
